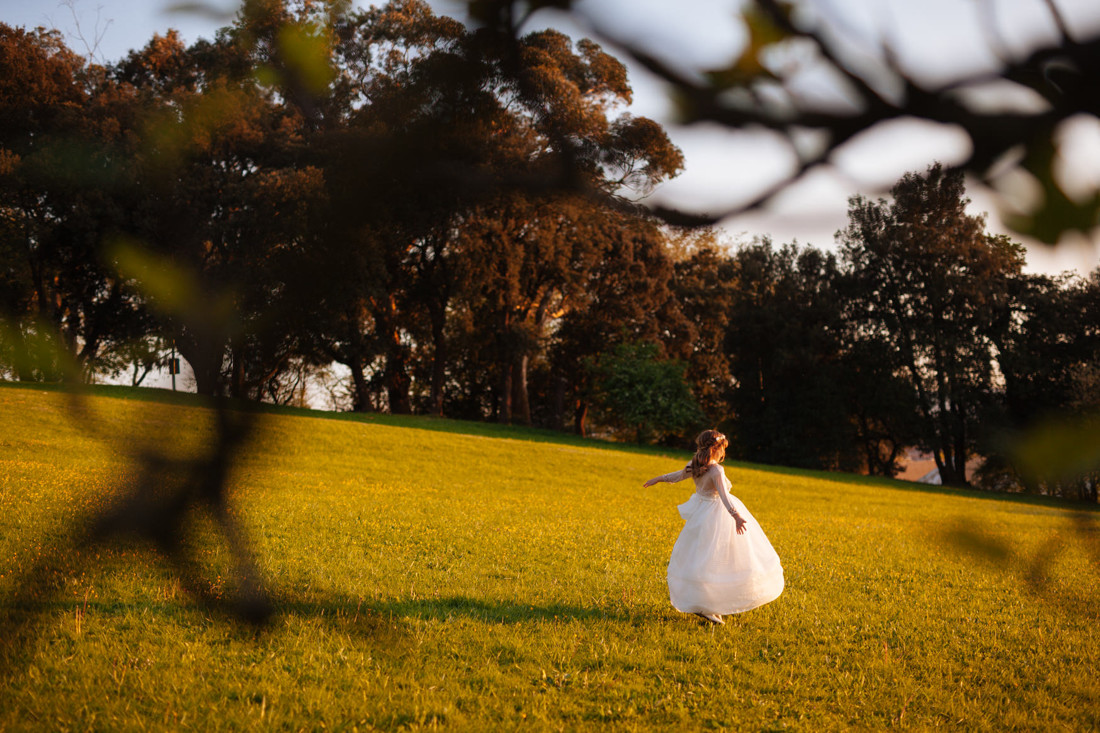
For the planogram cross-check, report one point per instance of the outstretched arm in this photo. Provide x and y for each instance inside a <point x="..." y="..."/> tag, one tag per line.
<point x="725" y="497"/>
<point x="669" y="478"/>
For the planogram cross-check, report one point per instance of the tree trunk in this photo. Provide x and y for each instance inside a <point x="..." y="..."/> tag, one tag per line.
<point x="521" y="401"/>
<point x="950" y="475"/>
<point x="889" y="465"/>
<point x="359" y="381"/>
<point x="353" y="358"/>
<point x="141" y="371"/>
<point x="439" y="362"/>
<point x="937" y="456"/>
<point x="24" y="372"/>
<point x="206" y="380"/>
<point x="557" y="412"/>
<point x="87" y="355"/>
<point x="960" y="447"/>
<point x="236" y="375"/>
<point x="396" y="376"/>
<point x="504" y="411"/>
<point x="397" y="383"/>
<point x="439" y="373"/>
<point x="948" y="437"/>
<point x="205" y="361"/>
<point x="580" y="417"/>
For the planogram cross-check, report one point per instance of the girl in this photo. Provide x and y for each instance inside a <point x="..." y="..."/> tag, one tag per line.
<point x="721" y="562"/>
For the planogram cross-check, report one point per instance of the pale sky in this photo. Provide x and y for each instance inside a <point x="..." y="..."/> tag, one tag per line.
<point x="936" y="40"/>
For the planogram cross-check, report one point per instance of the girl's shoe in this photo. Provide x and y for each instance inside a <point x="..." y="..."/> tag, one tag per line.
<point x="711" y="618"/>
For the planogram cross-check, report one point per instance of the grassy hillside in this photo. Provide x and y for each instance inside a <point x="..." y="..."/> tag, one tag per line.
<point x="427" y="577"/>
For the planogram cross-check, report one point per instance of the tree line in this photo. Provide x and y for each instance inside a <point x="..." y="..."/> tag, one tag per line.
<point x="371" y="189"/>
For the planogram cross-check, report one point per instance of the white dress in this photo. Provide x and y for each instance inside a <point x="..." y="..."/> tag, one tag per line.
<point x="712" y="568"/>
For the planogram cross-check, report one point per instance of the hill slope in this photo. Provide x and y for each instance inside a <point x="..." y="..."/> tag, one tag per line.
<point x="431" y="578"/>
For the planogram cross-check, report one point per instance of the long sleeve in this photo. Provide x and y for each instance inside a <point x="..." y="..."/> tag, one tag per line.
<point x="717" y="475"/>
<point x="674" y="477"/>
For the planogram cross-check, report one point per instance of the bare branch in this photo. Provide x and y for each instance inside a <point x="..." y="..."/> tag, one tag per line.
<point x="91" y="48"/>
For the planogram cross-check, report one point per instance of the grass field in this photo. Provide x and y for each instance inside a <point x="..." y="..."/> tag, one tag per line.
<point x="437" y="575"/>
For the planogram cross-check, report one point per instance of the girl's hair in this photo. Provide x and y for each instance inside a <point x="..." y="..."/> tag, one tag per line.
<point x="707" y="446"/>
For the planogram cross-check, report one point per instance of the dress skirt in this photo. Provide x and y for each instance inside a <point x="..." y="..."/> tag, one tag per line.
<point x="715" y="570"/>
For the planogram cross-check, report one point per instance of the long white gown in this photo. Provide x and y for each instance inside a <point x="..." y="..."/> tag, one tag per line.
<point x="712" y="568"/>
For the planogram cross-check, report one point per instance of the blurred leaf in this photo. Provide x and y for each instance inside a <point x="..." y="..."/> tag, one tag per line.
<point x="171" y="289"/>
<point x="267" y="76"/>
<point x="306" y="52"/>
<point x="1056" y="213"/>
<point x="175" y="134"/>
<point x="1061" y="449"/>
<point x="204" y="10"/>
<point x="748" y="67"/>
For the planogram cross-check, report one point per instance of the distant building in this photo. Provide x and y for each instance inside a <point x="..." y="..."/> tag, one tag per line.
<point x="921" y="468"/>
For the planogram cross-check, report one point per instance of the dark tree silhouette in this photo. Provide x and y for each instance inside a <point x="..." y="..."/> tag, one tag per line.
<point x="784" y="343"/>
<point x="931" y="284"/>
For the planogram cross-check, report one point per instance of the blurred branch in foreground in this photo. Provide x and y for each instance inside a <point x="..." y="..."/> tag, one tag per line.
<point x="167" y="483"/>
<point x="792" y="47"/>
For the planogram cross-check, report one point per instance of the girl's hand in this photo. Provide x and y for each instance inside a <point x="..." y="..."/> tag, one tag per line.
<point x="649" y="483"/>
<point x="741" y="523"/>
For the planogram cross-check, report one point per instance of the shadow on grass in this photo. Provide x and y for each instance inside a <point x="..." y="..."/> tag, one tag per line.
<point x="400" y="610"/>
<point x="385" y="622"/>
<point x="1035" y="568"/>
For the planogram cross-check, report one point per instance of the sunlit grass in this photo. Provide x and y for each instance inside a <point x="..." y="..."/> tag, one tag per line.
<point x="497" y="579"/>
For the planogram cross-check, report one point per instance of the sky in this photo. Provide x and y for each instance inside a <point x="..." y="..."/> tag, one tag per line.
<point x="936" y="41"/>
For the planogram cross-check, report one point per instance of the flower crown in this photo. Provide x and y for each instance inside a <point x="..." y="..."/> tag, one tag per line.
<point x="715" y="440"/>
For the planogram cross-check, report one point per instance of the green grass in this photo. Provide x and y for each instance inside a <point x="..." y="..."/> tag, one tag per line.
<point x="445" y="575"/>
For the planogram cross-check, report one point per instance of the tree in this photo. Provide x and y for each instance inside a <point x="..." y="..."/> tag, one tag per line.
<point x="136" y="358"/>
<point x="931" y="286"/>
<point x="628" y="296"/>
<point x="1048" y="352"/>
<point x="59" y="124"/>
<point x="1044" y="338"/>
<point x="403" y="126"/>
<point x="704" y="286"/>
<point x="565" y="94"/>
<point x="422" y="183"/>
<point x="361" y="197"/>
<point x="784" y="345"/>
<point x="881" y="402"/>
<point x="529" y="258"/>
<point x="641" y="393"/>
<point x="219" y="188"/>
